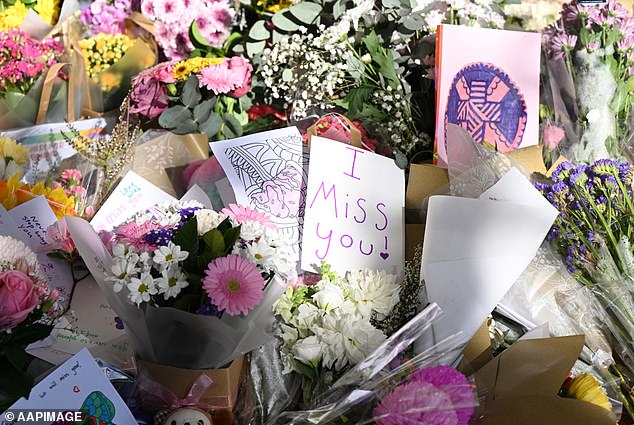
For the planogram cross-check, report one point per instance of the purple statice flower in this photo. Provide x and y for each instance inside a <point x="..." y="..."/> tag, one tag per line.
<point x="159" y="237"/>
<point x="187" y="214"/>
<point x="562" y="171"/>
<point x="578" y="175"/>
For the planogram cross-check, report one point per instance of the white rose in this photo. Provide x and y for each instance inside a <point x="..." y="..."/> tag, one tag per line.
<point x="308" y="350"/>
<point x="328" y="296"/>
<point x="207" y="220"/>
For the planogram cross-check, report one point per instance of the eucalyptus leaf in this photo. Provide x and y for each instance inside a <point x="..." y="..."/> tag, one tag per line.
<point x="413" y="22"/>
<point x="191" y="93"/>
<point x="400" y="159"/>
<point x="283" y="23"/>
<point x="203" y="110"/>
<point x="171" y="117"/>
<point x="255" y="48"/>
<point x="259" y="31"/>
<point x="212" y="126"/>
<point x="307" y="12"/>
<point x="186" y="127"/>
<point x="233" y="123"/>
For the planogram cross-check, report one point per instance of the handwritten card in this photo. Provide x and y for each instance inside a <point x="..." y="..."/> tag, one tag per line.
<point x="267" y="172"/>
<point x="133" y="194"/>
<point x="89" y="323"/>
<point x="8" y="227"/>
<point x="484" y="88"/>
<point x="354" y="209"/>
<point x="78" y="385"/>
<point x="32" y="218"/>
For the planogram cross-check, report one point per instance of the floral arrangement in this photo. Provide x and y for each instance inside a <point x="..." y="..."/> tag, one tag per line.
<point x="595" y="43"/>
<point x="23" y="60"/>
<point x="13" y="12"/>
<point x="196" y="95"/>
<point x="328" y="325"/>
<point x="106" y="17"/>
<point x="173" y="18"/>
<point x="100" y="53"/>
<point x="14" y="193"/>
<point x="198" y="260"/>
<point x="74" y="186"/>
<point x="593" y="234"/>
<point x="28" y="309"/>
<point x="534" y="15"/>
<point x="585" y="387"/>
<point x="434" y="395"/>
<point x="13" y="157"/>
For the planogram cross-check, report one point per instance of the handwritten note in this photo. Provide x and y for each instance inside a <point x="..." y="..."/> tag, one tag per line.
<point x="32" y="219"/>
<point x="8" y="227"/>
<point x="354" y="209"/>
<point x="77" y="385"/>
<point x="132" y="195"/>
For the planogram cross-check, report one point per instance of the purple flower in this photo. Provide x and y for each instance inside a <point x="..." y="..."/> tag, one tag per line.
<point x="159" y="237"/>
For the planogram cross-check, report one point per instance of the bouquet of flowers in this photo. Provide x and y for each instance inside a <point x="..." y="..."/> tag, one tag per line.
<point x="106" y="17"/>
<point x="594" y="236"/>
<point x="198" y="95"/>
<point x="14" y="193"/>
<point x="173" y="18"/>
<point x="194" y="287"/>
<point x="28" y="309"/>
<point x="23" y="63"/>
<point x="13" y="12"/>
<point x="328" y="326"/>
<point x="590" y="67"/>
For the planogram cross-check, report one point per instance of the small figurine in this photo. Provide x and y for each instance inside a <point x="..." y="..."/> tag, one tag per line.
<point x="188" y="416"/>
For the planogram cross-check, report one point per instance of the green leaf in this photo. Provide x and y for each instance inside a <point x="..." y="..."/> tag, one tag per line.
<point x="283" y="23"/>
<point x="584" y="36"/>
<point x="357" y="97"/>
<point x="401" y="160"/>
<point x="391" y="4"/>
<point x="372" y="43"/>
<point x="259" y="31"/>
<point x="230" y="237"/>
<point x="306" y="370"/>
<point x="215" y="241"/>
<point x="187" y="237"/>
<point x="255" y="48"/>
<point x="16" y="355"/>
<point x="196" y="37"/>
<point x="203" y="110"/>
<point x="186" y="127"/>
<point x="233" y="39"/>
<point x="171" y="117"/>
<point x="306" y="12"/>
<point x="212" y="126"/>
<point x="413" y="22"/>
<point x="191" y="93"/>
<point x="225" y="225"/>
<point x="233" y="124"/>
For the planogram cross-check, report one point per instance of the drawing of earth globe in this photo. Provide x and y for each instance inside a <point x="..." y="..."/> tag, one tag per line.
<point x="488" y="104"/>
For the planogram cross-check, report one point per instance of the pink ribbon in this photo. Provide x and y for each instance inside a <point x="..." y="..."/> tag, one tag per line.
<point x="169" y="400"/>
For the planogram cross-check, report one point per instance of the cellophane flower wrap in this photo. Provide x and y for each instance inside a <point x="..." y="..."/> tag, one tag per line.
<point x="386" y="388"/>
<point x="593" y="234"/>
<point x="590" y="69"/>
<point x="194" y="287"/>
<point x="24" y="64"/>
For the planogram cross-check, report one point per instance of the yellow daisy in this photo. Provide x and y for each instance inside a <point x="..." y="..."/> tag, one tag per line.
<point x="10" y="149"/>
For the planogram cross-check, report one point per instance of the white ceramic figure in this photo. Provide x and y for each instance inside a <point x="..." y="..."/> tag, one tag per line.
<point x="188" y="416"/>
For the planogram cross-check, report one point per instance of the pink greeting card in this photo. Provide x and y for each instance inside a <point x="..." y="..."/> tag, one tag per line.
<point x="488" y="83"/>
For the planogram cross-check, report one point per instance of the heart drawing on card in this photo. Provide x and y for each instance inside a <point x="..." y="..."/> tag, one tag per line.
<point x="384" y="255"/>
<point x="76" y="389"/>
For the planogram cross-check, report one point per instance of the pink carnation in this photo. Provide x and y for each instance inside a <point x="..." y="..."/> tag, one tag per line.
<point x="553" y="135"/>
<point x="233" y="284"/>
<point x="434" y="396"/>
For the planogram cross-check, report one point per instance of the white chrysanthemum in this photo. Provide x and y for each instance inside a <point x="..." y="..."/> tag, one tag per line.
<point x="122" y="271"/>
<point x="171" y="282"/>
<point x="207" y="220"/>
<point x="328" y="296"/>
<point x="13" y="250"/>
<point x="141" y="289"/>
<point x="372" y="291"/>
<point x="166" y="256"/>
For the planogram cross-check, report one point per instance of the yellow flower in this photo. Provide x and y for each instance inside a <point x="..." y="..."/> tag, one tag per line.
<point x="10" y="149"/>
<point x="13" y="16"/>
<point x="108" y="49"/>
<point x="60" y="203"/>
<point x="183" y="69"/>
<point x="273" y="7"/>
<point x="109" y="81"/>
<point x="48" y="10"/>
<point x="586" y="388"/>
<point x="8" y="189"/>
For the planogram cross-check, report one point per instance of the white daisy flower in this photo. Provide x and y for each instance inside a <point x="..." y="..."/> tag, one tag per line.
<point x="122" y="271"/>
<point x="172" y="281"/>
<point x="165" y="256"/>
<point x="141" y="289"/>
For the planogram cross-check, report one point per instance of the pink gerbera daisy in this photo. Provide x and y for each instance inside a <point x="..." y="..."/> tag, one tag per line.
<point x="219" y="78"/>
<point x="243" y="214"/>
<point x="133" y="234"/>
<point x="233" y="284"/>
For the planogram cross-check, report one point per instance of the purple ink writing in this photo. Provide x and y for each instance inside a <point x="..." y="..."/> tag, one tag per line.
<point x="354" y="161"/>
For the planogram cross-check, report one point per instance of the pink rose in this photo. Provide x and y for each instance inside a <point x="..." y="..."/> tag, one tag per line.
<point x="147" y="98"/>
<point x="17" y="298"/>
<point x="242" y="70"/>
